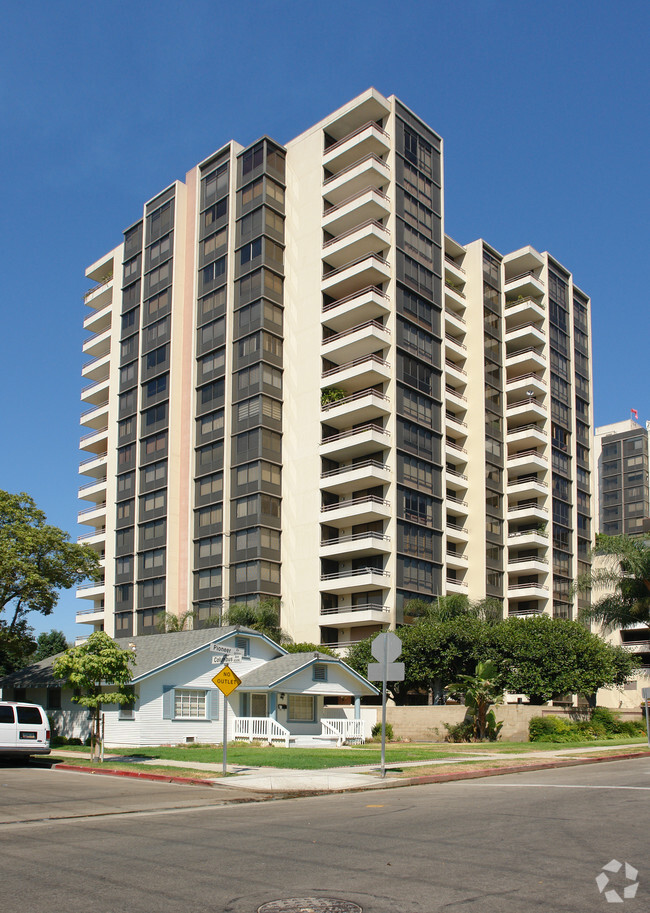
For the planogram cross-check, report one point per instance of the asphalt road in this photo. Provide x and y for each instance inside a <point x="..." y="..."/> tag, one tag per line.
<point x="521" y="843"/>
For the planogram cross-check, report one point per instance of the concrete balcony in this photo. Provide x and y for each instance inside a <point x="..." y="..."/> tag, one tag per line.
<point x="526" y="284"/>
<point x="98" y="345"/>
<point x="365" y="140"/>
<point x="94" y="616"/>
<point x="93" y="516"/>
<point x="527" y="565"/>
<point x="357" y="342"/>
<point x="96" y="418"/>
<point x="96" y="394"/>
<point x="524" y="336"/>
<point x="457" y="509"/>
<point x="354" y="511"/>
<point x="96" y="539"/>
<point x="99" y="296"/>
<point x="454" y="295"/>
<point x="521" y="591"/>
<point x="355" y="616"/>
<point x="100" y="320"/>
<point x="364" y="406"/>
<point x="455" y="346"/>
<point x="518" y="385"/>
<point x="527" y="460"/>
<point x="369" y="204"/>
<point x="92" y="591"/>
<point x="455" y="481"/>
<point x="456" y="532"/>
<point x="526" y="436"/>
<point x="93" y="491"/>
<point x="455" y="425"/>
<point x="526" y="410"/>
<point x="369" y="171"/>
<point x="368" y="371"/>
<point x="454" y="271"/>
<point x="457" y="561"/>
<point x="95" y="442"/>
<point x="354" y="477"/>
<point x="526" y="539"/>
<point x="528" y="511"/>
<point x="453" y="585"/>
<point x="527" y="486"/>
<point x="95" y="466"/>
<point x="368" y="238"/>
<point x="356" y="545"/>
<point x="371" y="269"/>
<point x="455" y="324"/>
<point x="356" y="309"/>
<point x="523" y="310"/>
<point x="455" y="396"/>
<point x="98" y="369"/>
<point x="528" y="360"/>
<point x="455" y="371"/>
<point x="355" y="581"/>
<point x="356" y="442"/>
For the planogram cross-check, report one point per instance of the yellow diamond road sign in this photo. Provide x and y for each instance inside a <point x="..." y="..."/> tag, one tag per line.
<point x="226" y="681"/>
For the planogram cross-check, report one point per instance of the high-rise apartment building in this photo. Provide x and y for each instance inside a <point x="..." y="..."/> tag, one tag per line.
<point x="622" y="459"/>
<point x="300" y="387"/>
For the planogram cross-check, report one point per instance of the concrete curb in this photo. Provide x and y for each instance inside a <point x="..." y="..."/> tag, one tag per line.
<point x="138" y="775"/>
<point x="380" y="784"/>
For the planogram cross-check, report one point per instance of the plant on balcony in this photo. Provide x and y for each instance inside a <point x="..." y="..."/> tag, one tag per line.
<point x="331" y="395"/>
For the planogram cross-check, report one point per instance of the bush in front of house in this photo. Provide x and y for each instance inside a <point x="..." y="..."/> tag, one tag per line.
<point x="376" y="732"/>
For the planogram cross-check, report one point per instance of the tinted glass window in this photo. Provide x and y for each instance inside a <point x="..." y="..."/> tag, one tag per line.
<point x="6" y="714"/>
<point x="30" y="715"/>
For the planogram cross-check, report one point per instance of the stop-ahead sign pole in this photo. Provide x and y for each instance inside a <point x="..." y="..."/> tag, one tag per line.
<point x="386" y="647"/>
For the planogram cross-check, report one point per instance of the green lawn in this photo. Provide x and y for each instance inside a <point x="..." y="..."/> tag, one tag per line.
<point x="245" y="755"/>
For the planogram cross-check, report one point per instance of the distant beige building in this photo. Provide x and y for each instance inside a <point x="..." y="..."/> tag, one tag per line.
<point x="298" y="386"/>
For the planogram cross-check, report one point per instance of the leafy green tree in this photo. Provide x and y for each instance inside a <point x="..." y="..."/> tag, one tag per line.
<point x="17" y="646"/>
<point x="544" y="658"/>
<point x="49" y="644"/>
<point x="482" y="691"/>
<point x="434" y="653"/>
<point x="623" y="576"/>
<point x="309" y="648"/>
<point x="36" y="560"/>
<point x="92" y="666"/>
<point x="263" y="616"/>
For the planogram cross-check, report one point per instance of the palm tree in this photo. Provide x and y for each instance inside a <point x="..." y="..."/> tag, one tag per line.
<point x="481" y="692"/>
<point x="264" y="617"/>
<point x="172" y="624"/>
<point x="623" y="575"/>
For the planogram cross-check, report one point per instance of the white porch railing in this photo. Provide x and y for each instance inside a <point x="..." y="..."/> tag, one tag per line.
<point x="262" y="728"/>
<point x="344" y="730"/>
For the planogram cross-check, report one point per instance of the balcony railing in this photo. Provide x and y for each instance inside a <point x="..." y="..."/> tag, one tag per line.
<point x="90" y="510"/>
<point x="353" y="502"/>
<point x="529" y="376"/>
<point x="370" y="123"/>
<point x="524" y="480"/>
<point x="526" y="351"/>
<point x="526" y="586"/>
<point x="456" y="289"/>
<point x="366" y="464"/>
<point x="525" y="453"/>
<point x="528" y="272"/>
<point x="369" y="426"/>
<point x="366" y="158"/>
<point x="375" y="359"/>
<point x="455" y="446"/>
<point x="366" y="607"/>
<point x="355" y="537"/>
<point x="375" y="324"/>
<point x="340" y="269"/>
<point x="355" y="572"/>
<point x="528" y="300"/>
<point x="345" y="400"/>
<point x="93" y="458"/>
<point x="453" y="392"/>
<point x="373" y="289"/>
<point x="528" y="558"/>
<point x="91" y="291"/>
<point x="352" y="231"/>
<point x="528" y="532"/>
<point x="451" y="364"/>
<point x="448" y="259"/>
<point x="530" y="426"/>
<point x="355" y="196"/>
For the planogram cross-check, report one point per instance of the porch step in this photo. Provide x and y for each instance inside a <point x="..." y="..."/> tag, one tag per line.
<point x="312" y="741"/>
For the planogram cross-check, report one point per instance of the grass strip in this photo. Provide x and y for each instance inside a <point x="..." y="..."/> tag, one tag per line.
<point x="140" y="768"/>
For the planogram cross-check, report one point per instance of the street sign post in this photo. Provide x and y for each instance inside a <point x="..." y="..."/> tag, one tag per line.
<point x="226" y="681"/>
<point x="386" y="647"/>
<point x="646" y="700"/>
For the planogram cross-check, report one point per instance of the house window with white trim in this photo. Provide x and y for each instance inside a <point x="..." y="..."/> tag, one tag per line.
<point x="189" y="704"/>
<point x="301" y="708"/>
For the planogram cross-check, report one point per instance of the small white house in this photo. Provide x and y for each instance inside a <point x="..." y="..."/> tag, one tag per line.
<point x="281" y="698"/>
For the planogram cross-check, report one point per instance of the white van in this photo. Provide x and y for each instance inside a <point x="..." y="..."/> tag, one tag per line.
<point x="24" y="729"/>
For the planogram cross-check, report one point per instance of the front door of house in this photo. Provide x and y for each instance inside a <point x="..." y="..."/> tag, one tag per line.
<point x="258" y="705"/>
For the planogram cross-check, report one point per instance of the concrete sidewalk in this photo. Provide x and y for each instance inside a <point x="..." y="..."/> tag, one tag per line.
<point x="368" y="776"/>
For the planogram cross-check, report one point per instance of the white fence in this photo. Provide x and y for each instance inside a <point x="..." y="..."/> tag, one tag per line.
<point x="262" y="728"/>
<point x="344" y="730"/>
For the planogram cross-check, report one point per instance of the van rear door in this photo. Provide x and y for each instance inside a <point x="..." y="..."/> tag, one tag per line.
<point x="8" y="728"/>
<point x="32" y="728"/>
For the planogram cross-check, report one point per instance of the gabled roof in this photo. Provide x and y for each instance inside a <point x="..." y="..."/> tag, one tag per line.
<point x="153" y="652"/>
<point x="277" y="671"/>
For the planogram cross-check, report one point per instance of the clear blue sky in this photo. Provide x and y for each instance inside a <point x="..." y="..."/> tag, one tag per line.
<point x="543" y="108"/>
